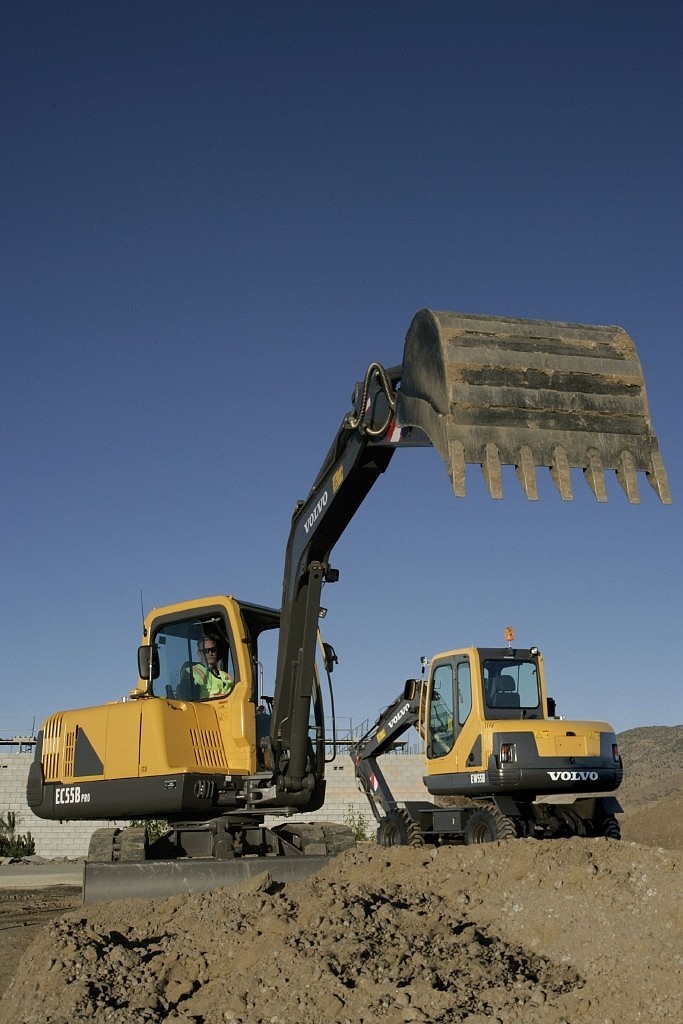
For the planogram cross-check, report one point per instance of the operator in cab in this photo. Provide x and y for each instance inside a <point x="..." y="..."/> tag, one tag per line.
<point x="209" y="678"/>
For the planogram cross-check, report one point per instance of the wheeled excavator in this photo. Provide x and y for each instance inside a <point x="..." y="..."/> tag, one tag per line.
<point x="499" y="760"/>
<point x="483" y="390"/>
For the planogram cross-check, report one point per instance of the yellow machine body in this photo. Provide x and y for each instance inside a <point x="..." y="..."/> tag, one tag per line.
<point x="138" y="755"/>
<point x="481" y="738"/>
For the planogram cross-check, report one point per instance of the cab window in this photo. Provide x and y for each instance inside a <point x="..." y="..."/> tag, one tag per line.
<point x="464" y="692"/>
<point x="511" y="684"/>
<point x="182" y="647"/>
<point x="441" y="711"/>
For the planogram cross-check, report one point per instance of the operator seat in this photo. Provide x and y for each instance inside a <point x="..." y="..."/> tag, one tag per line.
<point x="185" y="690"/>
<point x="503" y="693"/>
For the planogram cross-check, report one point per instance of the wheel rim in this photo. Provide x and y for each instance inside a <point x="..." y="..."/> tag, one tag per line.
<point x="390" y="834"/>
<point x="481" y="833"/>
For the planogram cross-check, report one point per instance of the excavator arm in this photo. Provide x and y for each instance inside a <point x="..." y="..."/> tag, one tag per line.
<point x="359" y="455"/>
<point x="484" y="390"/>
<point x="389" y="727"/>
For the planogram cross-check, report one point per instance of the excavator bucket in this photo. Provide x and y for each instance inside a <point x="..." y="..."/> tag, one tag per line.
<point x="501" y="391"/>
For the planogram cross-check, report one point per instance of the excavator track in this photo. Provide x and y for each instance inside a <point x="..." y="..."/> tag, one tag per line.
<point x="117" y="864"/>
<point x="323" y="838"/>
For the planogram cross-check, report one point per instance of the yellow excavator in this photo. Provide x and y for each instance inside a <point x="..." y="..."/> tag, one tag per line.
<point x="504" y="764"/>
<point x="214" y="758"/>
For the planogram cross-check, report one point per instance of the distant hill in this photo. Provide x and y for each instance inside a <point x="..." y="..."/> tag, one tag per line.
<point x="653" y="763"/>
<point x="652" y="791"/>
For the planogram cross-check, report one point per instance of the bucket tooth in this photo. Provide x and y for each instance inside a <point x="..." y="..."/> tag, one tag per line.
<point x="658" y="479"/>
<point x="457" y="472"/>
<point x="495" y="390"/>
<point x="628" y="477"/>
<point x="595" y="475"/>
<point x="526" y="471"/>
<point x="491" y="469"/>
<point x="561" y="473"/>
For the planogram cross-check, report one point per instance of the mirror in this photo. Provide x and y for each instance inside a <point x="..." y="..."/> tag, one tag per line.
<point x="148" y="662"/>
<point x="410" y="689"/>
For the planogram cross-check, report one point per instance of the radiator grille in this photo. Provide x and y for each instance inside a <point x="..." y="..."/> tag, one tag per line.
<point x="208" y="748"/>
<point x="69" y="748"/>
<point x="52" y="734"/>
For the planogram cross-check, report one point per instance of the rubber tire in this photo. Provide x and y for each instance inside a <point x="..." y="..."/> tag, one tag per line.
<point x="610" y="827"/>
<point x="399" y="829"/>
<point x="488" y="825"/>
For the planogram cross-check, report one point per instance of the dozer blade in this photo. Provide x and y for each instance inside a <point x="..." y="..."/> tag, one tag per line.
<point x="501" y="391"/>
<point x="152" y="879"/>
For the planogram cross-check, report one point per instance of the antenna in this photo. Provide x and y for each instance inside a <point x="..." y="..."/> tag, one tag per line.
<point x="142" y="612"/>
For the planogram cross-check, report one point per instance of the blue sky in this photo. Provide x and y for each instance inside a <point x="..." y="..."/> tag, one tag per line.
<point x="215" y="216"/>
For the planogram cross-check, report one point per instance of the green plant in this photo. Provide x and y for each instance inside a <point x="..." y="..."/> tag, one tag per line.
<point x="155" y="828"/>
<point x="12" y="845"/>
<point x="358" y="823"/>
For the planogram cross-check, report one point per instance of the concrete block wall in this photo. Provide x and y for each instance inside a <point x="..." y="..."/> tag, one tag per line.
<point x="403" y="773"/>
<point x="70" y="839"/>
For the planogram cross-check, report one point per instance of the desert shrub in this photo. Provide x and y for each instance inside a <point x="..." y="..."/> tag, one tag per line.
<point x="155" y="828"/>
<point x="11" y="844"/>
<point x="358" y="823"/>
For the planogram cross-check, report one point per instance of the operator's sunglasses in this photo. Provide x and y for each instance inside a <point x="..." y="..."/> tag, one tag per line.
<point x="207" y="650"/>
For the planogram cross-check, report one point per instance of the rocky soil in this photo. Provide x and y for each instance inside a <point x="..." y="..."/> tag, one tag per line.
<point x="564" y="932"/>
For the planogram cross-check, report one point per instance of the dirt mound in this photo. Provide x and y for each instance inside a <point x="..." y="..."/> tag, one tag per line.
<point x="566" y="932"/>
<point x="659" y="823"/>
<point x="23" y="913"/>
<point x="579" y="930"/>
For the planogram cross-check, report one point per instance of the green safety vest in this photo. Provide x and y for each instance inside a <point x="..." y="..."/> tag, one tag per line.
<point x="210" y="685"/>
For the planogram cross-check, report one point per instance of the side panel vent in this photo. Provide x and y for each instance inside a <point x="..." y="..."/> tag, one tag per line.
<point x="208" y="748"/>
<point x="52" y="735"/>
<point x="69" y="747"/>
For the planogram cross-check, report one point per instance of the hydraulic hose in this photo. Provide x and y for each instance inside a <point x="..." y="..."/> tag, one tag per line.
<point x="357" y="421"/>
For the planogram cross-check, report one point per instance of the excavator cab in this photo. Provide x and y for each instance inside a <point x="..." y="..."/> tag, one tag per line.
<point x="469" y="694"/>
<point x="490" y="727"/>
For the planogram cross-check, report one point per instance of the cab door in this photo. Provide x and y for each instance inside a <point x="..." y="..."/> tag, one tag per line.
<point x="449" y="711"/>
